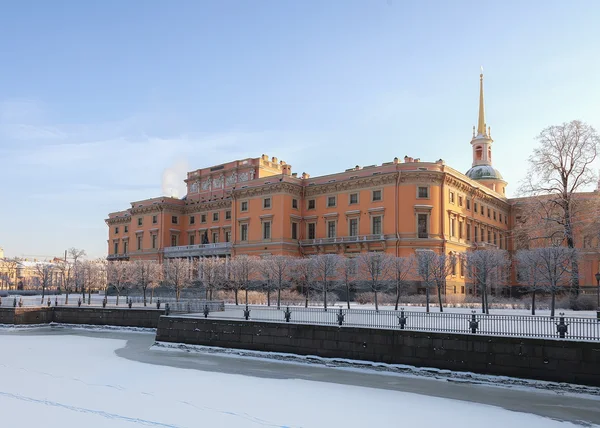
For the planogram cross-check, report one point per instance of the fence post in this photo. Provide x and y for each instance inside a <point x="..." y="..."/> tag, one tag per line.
<point x="561" y="327"/>
<point x="402" y="319"/>
<point x="206" y="311"/>
<point x="473" y="324"/>
<point x="167" y="309"/>
<point x="340" y="317"/>
<point x="246" y="313"/>
<point x="287" y="314"/>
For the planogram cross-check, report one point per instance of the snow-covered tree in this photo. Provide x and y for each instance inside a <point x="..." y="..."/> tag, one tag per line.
<point x="374" y="269"/>
<point x="401" y="271"/>
<point x="119" y="276"/>
<point x="326" y="270"/>
<point x="177" y="275"/>
<point x="348" y="270"/>
<point x="145" y="274"/>
<point x="304" y="274"/>
<point x="487" y="269"/>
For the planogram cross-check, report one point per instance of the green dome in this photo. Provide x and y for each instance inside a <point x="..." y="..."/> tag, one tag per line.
<point x="484" y="172"/>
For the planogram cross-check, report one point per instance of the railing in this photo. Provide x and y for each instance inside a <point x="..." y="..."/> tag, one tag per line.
<point x="559" y="327"/>
<point x="117" y="256"/>
<point x="343" y="239"/>
<point x="194" y="306"/>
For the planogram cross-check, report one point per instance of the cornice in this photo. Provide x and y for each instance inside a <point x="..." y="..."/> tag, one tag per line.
<point x="357" y="183"/>
<point x="117" y="220"/>
<point x="207" y="206"/>
<point x="268" y="189"/>
<point x="428" y="177"/>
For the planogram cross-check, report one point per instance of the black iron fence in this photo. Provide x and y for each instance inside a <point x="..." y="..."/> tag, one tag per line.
<point x="558" y="327"/>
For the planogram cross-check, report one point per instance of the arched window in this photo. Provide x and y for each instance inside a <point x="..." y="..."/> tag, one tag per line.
<point x="478" y="153"/>
<point x="489" y="153"/>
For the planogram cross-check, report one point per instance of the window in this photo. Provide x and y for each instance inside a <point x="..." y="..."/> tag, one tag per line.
<point x="453" y="267"/>
<point x="311" y="230"/>
<point x="460" y="230"/>
<point x="192" y="240"/>
<point x="267" y="230"/>
<point x="489" y="236"/>
<point x="227" y="236"/>
<point x="215" y="237"/>
<point x="377" y="225"/>
<point x="353" y="198"/>
<point x="174" y="219"/>
<point x="500" y="240"/>
<point x="462" y="272"/>
<point x="192" y="219"/>
<point x="244" y="232"/>
<point x="423" y="192"/>
<point x="139" y="242"/>
<point x="376" y="195"/>
<point x="475" y="206"/>
<point x="154" y="241"/>
<point x="140" y="221"/>
<point x="311" y="204"/>
<point x="295" y="204"/>
<point x="267" y="203"/>
<point x="460" y="201"/>
<point x="244" y="206"/>
<point x="331" y="229"/>
<point x="468" y="232"/>
<point x="495" y="242"/>
<point x="216" y="216"/>
<point x="116" y="248"/>
<point x="482" y="210"/>
<point x="451" y="197"/>
<point x="488" y="212"/>
<point x="500" y="217"/>
<point x="452" y="227"/>
<point x="476" y="232"/>
<point x="117" y="230"/>
<point x="331" y="201"/>
<point x="154" y="219"/>
<point x="353" y="227"/>
<point x="203" y="218"/>
<point x="125" y="247"/>
<point x="294" y="230"/>
<point x="505" y="220"/>
<point x="228" y="215"/>
<point x="468" y="204"/>
<point x="422" y="227"/>
<point x="494" y="214"/>
<point x="125" y="229"/>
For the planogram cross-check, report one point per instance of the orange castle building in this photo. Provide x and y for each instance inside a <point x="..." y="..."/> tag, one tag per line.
<point x="259" y="207"/>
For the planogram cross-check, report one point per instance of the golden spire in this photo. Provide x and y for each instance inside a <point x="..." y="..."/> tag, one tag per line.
<point x="481" y="123"/>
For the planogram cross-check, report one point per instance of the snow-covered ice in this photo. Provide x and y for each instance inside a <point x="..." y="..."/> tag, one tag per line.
<point x="73" y="381"/>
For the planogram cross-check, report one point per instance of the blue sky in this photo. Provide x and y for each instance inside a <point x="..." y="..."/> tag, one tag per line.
<point x="98" y="99"/>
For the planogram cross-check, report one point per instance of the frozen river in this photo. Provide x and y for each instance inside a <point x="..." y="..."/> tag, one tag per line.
<point x="72" y="378"/>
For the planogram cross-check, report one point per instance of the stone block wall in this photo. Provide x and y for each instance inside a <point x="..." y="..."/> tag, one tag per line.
<point x="551" y="360"/>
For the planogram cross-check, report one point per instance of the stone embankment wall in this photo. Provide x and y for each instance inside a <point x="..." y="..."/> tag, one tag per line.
<point x="123" y="317"/>
<point x="551" y="360"/>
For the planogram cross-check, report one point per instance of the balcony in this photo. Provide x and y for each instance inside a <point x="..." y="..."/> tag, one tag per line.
<point x="123" y="256"/>
<point x="343" y="240"/>
<point x="201" y="250"/>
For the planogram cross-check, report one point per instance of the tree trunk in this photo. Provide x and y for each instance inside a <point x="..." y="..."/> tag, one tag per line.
<point x="177" y="294"/>
<point x="552" y="304"/>
<point x="268" y="296"/>
<point x="348" y="294"/>
<point x="533" y="303"/>
<point x="487" y="303"/>
<point x="43" y="293"/>
<point x="89" y="295"/>
<point x="144" y="288"/>
<point x="306" y="297"/>
<point x="427" y="299"/>
<point x="235" y="293"/>
<point x="439" y="290"/>
<point x="397" y="296"/>
<point x="482" y="300"/>
<point x="66" y="297"/>
<point x="376" y="303"/>
<point x="571" y="244"/>
<point x="246" y="291"/>
<point x="118" y="298"/>
<point x="279" y="297"/>
<point x="151" y="295"/>
<point x="206" y="293"/>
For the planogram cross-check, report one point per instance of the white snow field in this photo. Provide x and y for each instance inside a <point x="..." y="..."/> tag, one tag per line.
<point x="73" y="381"/>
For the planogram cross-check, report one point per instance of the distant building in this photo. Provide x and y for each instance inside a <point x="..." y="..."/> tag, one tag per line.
<point x="259" y="207"/>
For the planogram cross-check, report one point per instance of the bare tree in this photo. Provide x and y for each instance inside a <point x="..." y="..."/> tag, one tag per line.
<point x="100" y="280"/>
<point x="66" y="272"/>
<point x="348" y="269"/>
<point x="85" y="272"/>
<point x="442" y="266"/>
<point x="374" y="270"/>
<point x="11" y="265"/>
<point x="264" y="266"/>
<point x="326" y="270"/>
<point x="75" y="254"/>
<point x="425" y="262"/>
<point x="280" y="266"/>
<point x="119" y="276"/>
<point x="303" y="275"/>
<point x="487" y="269"/>
<point x="528" y="273"/>
<point x="554" y="266"/>
<point x="402" y="269"/>
<point x="44" y="271"/>
<point x="560" y="167"/>
<point x="211" y="270"/>
<point x="145" y="273"/>
<point x="178" y="275"/>
<point x="242" y="269"/>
